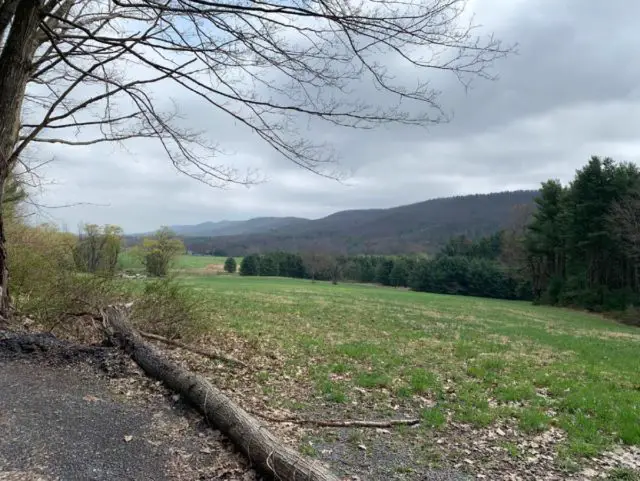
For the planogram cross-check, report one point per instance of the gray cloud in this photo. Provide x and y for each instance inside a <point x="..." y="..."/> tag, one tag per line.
<point x="572" y="91"/>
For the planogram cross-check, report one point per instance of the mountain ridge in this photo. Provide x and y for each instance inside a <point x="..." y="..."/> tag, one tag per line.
<point x="234" y="227"/>
<point x="418" y="227"/>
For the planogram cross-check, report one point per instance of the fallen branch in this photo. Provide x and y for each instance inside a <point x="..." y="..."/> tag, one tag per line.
<point x="202" y="352"/>
<point x="340" y="423"/>
<point x="259" y="445"/>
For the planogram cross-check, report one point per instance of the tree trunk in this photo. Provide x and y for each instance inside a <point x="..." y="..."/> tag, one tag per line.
<point x="15" y="68"/>
<point x="7" y="9"/>
<point x="4" y="270"/>
<point x="261" y="447"/>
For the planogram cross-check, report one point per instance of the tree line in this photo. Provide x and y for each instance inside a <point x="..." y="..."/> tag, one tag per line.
<point x="579" y="247"/>
<point x="463" y="267"/>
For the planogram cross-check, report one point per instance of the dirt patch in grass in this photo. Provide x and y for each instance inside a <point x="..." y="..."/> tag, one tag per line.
<point x="214" y="268"/>
<point x="610" y="335"/>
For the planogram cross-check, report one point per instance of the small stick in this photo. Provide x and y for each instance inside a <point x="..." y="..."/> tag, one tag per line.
<point x="341" y="423"/>
<point x="202" y="352"/>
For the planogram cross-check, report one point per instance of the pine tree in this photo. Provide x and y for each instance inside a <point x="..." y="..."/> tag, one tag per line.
<point x="398" y="274"/>
<point x="575" y="254"/>
<point x="230" y="265"/>
<point x="250" y="265"/>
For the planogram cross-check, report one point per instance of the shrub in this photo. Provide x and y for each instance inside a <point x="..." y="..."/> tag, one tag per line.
<point x="36" y="256"/>
<point x="465" y="276"/>
<point x="44" y="281"/>
<point x="631" y="316"/>
<point x="168" y="308"/>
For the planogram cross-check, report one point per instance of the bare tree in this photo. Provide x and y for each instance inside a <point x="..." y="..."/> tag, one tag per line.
<point x="97" y="248"/>
<point x="316" y="263"/>
<point x="624" y="221"/>
<point x="80" y="72"/>
<point x="513" y="251"/>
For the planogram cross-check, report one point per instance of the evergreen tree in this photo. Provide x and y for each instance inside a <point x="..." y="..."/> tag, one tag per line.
<point x="575" y="256"/>
<point x="545" y="238"/>
<point x="398" y="274"/>
<point x="230" y="265"/>
<point x="269" y="264"/>
<point x="383" y="269"/>
<point x="291" y="265"/>
<point x="250" y="265"/>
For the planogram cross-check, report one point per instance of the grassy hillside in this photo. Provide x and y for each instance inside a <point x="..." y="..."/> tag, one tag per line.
<point x="363" y="351"/>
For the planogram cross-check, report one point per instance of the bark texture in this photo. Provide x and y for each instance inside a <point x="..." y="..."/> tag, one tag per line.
<point x="262" y="448"/>
<point x="15" y="69"/>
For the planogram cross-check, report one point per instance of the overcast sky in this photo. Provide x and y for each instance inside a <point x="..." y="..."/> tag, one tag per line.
<point x="572" y="91"/>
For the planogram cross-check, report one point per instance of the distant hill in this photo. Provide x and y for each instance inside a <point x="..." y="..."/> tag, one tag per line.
<point x="229" y="227"/>
<point x="420" y="227"/>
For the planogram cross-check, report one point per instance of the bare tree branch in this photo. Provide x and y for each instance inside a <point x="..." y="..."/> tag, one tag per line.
<point x="99" y="71"/>
<point x="265" y="64"/>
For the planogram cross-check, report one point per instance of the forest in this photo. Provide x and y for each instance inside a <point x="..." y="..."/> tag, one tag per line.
<point x="583" y="241"/>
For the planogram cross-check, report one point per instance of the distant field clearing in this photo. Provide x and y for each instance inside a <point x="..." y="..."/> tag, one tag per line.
<point x="209" y="263"/>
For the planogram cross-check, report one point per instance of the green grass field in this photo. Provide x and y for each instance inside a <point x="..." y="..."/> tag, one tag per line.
<point x="364" y="349"/>
<point x="127" y="260"/>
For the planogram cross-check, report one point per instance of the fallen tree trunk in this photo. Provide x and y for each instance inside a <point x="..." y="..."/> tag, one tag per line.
<point x="261" y="447"/>
<point x="197" y="350"/>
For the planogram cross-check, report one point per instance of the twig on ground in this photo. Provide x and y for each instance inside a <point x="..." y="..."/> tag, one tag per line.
<point x="339" y="423"/>
<point x="196" y="350"/>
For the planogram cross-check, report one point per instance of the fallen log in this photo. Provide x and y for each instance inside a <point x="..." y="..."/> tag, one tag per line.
<point x="196" y="350"/>
<point x="262" y="448"/>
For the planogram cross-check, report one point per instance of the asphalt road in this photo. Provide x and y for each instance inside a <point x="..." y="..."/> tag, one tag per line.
<point x="62" y="421"/>
<point x="51" y="425"/>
